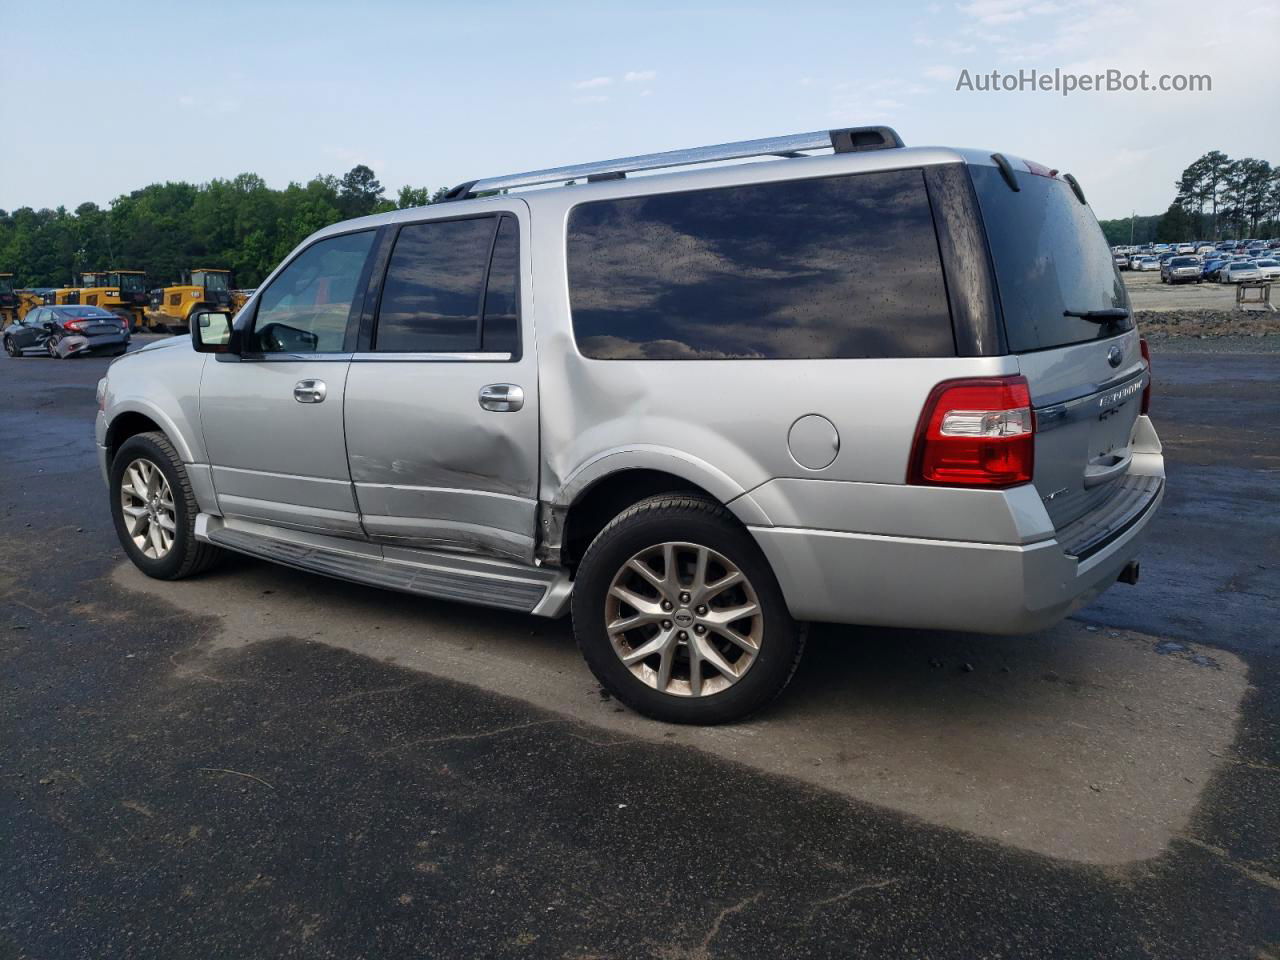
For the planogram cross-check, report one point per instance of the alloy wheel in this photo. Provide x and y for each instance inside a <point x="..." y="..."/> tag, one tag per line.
<point x="684" y="619"/>
<point x="147" y="504"/>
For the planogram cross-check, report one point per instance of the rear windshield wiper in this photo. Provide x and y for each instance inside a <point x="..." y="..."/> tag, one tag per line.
<point x="1099" y="316"/>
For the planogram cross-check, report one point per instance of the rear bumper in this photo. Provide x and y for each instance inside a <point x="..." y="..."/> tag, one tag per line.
<point x="911" y="581"/>
<point x="75" y="346"/>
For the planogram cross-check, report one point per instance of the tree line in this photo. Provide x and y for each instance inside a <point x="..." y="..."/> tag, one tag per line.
<point x="1216" y="198"/>
<point x="239" y="224"/>
<point x="243" y="225"/>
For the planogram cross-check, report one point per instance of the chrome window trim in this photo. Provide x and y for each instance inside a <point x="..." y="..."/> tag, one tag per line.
<point x="431" y="357"/>
<point x="293" y="357"/>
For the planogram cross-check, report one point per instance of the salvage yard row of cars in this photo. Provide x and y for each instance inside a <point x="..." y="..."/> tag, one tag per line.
<point x="1225" y="262"/>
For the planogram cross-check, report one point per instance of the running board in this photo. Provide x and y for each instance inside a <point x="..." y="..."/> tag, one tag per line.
<point x="466" y="578"/>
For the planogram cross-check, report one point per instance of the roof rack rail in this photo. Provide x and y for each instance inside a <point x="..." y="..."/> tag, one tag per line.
<point x="848" y="140"/>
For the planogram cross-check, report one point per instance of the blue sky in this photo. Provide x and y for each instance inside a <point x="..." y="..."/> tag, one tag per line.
<point x="436" y="93"/>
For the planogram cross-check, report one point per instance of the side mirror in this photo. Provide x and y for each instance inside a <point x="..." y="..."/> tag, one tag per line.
<point x="213" y="333"/>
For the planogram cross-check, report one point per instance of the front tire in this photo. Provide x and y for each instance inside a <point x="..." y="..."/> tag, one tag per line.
<point x="10" y="348"/>
<point x="154" y="509"/>
<point x="679" y="616"/>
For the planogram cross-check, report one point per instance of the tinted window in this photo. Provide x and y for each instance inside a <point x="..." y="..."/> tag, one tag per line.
<point x="835" y="267"/>
<point x="502" y="296"/>
<point x="1050" y="256"/>
<point x="305" y="308"/>
<point x="431" y="297"/>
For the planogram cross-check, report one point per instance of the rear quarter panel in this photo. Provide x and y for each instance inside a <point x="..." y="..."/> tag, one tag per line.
<point x="720" y="423"/>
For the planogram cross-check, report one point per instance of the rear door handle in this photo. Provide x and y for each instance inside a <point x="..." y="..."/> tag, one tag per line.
<point x="501" y="397"/>
<point x="309" y="391"/>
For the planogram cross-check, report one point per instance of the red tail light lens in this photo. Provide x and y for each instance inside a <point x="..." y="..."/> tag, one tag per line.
<point x="1146" y="358"/>
<point x="76" y="325"/>
<point x="975" y="433"/>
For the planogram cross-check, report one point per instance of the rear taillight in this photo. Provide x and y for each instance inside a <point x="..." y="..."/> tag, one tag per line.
<point x="76" y="325"/>
<point x="1146" y="358"/>
<point x="975" y="433"/>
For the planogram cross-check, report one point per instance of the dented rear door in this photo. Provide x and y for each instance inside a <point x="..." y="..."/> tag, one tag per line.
<point x="442" y="400"/>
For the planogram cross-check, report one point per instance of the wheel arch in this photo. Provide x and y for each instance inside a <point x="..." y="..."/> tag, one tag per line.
<point x="601" y="490"/>
<point x="136" y="418"/>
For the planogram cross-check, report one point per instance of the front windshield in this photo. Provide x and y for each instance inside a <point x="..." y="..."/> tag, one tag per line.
<point x="210" y="280"/>
<point x="129" y="282"/>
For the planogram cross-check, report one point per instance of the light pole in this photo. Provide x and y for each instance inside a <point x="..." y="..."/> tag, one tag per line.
<point x="1132" y="217"/>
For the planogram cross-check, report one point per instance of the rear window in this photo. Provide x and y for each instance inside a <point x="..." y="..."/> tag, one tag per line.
<point x="1050" y="256"/>
<point x="84" y="312"/>
<point x="832" y="267"/>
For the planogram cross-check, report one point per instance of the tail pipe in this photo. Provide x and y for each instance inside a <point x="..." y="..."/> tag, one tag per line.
<point x="1130" y="573"/>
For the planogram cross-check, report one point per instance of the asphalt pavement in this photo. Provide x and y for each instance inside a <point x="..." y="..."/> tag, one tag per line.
<point x="264" y="763"/>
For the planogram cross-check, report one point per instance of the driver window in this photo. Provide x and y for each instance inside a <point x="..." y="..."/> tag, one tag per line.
<point x="305" y="309"/>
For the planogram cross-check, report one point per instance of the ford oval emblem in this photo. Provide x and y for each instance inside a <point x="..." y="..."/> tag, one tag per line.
<point x="1114" y="356"/>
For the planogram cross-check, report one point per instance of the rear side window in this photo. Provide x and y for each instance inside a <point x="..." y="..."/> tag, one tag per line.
<point x="431" y="298"/>
<point x="833" y="267"/>
<point x="443" y="277"/>
<point x="501" y="328"/>
<point x="1050" y="256"/>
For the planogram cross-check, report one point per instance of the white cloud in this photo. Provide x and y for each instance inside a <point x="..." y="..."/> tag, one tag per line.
<point x="941" y="71"/>
<point x="640" y="76"/>
<point x="994" y="12"/>
<point x="186" y="100"/>
<point x="591" y="98"/>
<point x="592" y="83"/>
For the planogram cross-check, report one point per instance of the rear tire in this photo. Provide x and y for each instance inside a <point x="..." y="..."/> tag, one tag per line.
<point x="703" y="545"/>
<point x="143" y="471"/>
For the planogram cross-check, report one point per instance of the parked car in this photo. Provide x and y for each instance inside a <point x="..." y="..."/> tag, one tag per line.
<point x="1149" y="263"/>
<point x="1209" y="271"/>
<point x="1121" y="261"/>
<point x="1268" y="267"/>
<point x="68" y="331"/>
<point x="1239" y="271"/>
<point x="1180" y="270"/>
<point x="711" y="425"/>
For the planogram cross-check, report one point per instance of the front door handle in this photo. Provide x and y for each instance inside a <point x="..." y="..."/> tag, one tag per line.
<point x="309" y="391"/>
<point x="501" y="397"/>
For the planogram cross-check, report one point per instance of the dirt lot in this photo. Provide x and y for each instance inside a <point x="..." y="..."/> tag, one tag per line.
<point x="1146" y="292"/>
<point x="1205" y="311"/>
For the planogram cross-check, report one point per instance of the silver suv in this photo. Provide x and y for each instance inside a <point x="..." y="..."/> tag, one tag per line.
<point x="848" y="382"/>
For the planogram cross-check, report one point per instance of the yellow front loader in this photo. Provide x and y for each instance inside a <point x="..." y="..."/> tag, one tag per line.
<point x="206" y="289"/>
<point x="8" y="300"/>
<point x="123" y="292"/>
